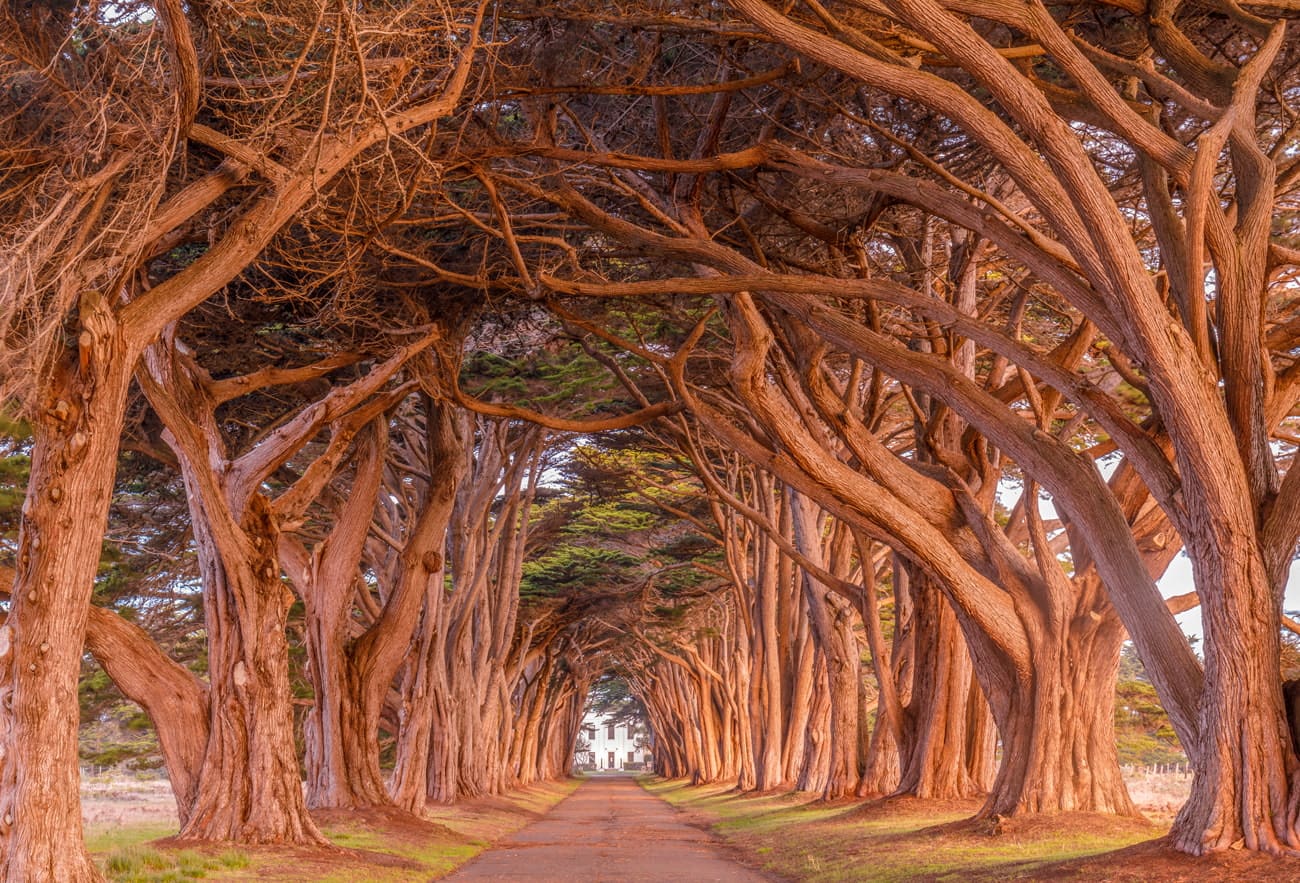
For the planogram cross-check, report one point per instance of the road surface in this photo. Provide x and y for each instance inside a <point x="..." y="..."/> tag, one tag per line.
<point x="607" y="830"/>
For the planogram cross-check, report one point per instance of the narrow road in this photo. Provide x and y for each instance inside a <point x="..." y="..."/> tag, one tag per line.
<point x="607" y="830"/>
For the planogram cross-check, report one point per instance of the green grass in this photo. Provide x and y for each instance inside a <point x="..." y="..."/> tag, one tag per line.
<point x="142" y="864"/>
<point x="434" y="858"/>
<point x="107" y="838"/>
<point x="800" y="837"/>
<point x="126" y="853"/>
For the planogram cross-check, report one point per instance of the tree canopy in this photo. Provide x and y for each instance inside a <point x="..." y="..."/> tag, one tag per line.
<point x="830" y="384"/>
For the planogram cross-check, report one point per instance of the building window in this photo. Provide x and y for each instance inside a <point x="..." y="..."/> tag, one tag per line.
<point x="631" y="757"/>
<point x="610" y="733"/>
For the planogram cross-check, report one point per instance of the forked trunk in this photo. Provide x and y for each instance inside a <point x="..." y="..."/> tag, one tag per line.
<point x="249" y="787"/>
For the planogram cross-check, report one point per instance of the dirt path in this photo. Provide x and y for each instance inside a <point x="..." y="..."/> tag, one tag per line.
<point x="608" y="830"/>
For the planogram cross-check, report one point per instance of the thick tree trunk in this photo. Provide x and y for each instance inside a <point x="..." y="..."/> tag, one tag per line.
<point x="830" y="619"/>
<point x="409" y="789"/>
<point x="378" y="655"/>
<point x="74" y="461"/>
<point x="741" y="690"/>
<point x="445" y="747"/>
<point x="1058" y="742"/>
<point x="831" y="624"/>
<point x="249" y="787"/>
<point x="881" y="767"/>
<point x="342" y="750"/>
<point x="815" y="771"/>
<point x="1244" y="787"/>
<point x="935" y="762"/>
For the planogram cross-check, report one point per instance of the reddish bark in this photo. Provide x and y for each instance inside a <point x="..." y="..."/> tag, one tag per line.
<point x="938" y="703"/>
<point x="173" y="697"/>
<point x="74" y="461"/>
<point x="353" y="674"/>
<point x="454" y="717"/>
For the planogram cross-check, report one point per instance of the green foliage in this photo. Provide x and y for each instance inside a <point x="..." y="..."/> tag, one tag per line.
<point x="569" y="568"/>
<point x="611" y="697"/>
<point x="15" y="467"/>
<point x="1143" y="732"/>
<point x="612" y="518"/>
<point x="557" y="378"/>
<point x="114" y="732"/>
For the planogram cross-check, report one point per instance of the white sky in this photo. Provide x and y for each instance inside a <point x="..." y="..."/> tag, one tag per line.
<point x="1178" y="579"/>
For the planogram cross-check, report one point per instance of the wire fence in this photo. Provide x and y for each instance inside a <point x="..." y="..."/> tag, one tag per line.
<point x="1157" y="769"/>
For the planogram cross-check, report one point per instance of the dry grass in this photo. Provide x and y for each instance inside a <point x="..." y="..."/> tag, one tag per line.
<point x="113" y="800"/>
<point x="1159" y="795"/>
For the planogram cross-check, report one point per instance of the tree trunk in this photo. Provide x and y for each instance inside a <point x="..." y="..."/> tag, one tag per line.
<point x="832" y="626"/>
<point x="935" y="764"/>
<point x="175" y="700"/>
<point x="801" y="697"/>
<point x="815" y="770"/>
<point x="249" y="787"/>
<point x="769" y="772"/>
<point x="1058" y="742"/>
<point x="415" y="717"/>
<point x="342" y="750"/>
<point x="1245" y="781"/>
<point x="74" y="462"/>
<point x="830" y="620"/>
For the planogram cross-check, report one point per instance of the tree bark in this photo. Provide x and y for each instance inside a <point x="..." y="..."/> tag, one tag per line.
<point x="65" y="513"/>
<point x="1245" y="781"/>
<point x="1058" y="748"/>
<point x="830" y="619"/>
<point x="341" y="756"/>
<point x="353" y="676"/>
<point x="249" y="788"/>
<point x="935" y="762"/>
<point x="173" y="697"/>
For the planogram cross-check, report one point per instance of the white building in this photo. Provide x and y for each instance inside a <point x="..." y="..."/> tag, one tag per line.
<point x="603" y="746"/>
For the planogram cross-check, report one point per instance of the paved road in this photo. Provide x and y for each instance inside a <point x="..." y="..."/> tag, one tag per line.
<point x="607" y="830"/>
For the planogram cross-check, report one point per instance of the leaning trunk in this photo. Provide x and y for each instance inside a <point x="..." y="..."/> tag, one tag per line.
<point x="173" y="697"/>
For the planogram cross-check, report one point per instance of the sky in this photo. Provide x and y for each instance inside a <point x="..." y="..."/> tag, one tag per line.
<point x="1178" y="579"/>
